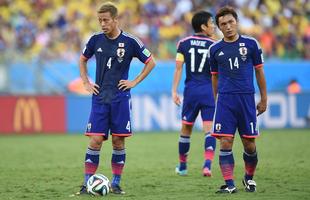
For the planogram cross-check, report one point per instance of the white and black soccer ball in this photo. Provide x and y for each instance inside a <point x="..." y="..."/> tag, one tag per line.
<point x="98" y="185"/>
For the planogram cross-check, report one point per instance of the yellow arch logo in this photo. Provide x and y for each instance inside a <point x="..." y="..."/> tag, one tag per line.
<point x="27" y="115"/>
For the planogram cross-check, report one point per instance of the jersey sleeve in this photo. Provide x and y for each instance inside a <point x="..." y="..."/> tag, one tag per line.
<point x="88" y="50"/>
<point x="142" y="53"/>
<point x="212" y="61"/>
<point x="257" y="56"/>
<point x="179" y="56"/>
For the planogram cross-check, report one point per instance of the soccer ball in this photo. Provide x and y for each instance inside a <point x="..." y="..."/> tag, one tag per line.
<point x="98" y="185"/>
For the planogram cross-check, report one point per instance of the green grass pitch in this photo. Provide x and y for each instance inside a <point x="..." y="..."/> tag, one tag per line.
<point x="51" y="167"/>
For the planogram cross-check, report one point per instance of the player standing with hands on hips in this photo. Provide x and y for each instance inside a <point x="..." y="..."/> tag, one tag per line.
<point x="198" y="96"/>
<point x="233" y="60"/>
<point x="114" y="50"/>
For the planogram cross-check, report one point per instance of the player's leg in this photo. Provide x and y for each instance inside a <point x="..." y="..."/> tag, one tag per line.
<point x="97" y="129"/>
<point x="248" y="132"/>
<point x="92" y="156"/>
<point x="207" y="113"/>
<point x="224" y="128"/>
<point x="117" y="162"/>
<point x="120" y="128"/>
<point x="190" y="112"/>
<point x="227" y="162"/>
<point x="91" y="160"/>
<point x="250" y="163"/>
<point x="184" y="146"/>
<point x="209" y="148"/>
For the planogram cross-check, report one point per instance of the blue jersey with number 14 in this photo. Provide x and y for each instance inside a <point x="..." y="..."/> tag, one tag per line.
<point x="234" y="63"/>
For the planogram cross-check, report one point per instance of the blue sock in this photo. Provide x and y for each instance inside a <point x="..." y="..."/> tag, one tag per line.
<point x="116" y="180"/>
<point x="118" y="163"/>
<point x="184" y="144"/>
<point x="210" y="145"/>
<point x="227" y="164"/>
<point x="250" y="162"/>
<point x="91" y="163"/>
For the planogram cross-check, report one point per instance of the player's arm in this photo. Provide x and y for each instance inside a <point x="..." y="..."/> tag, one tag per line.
<point x="176" y="78"/>
<point x="261" y="82"/>
<point x="92" y="88"/>
<point x="258" y="61"/>
<point x="127" y="84"/>
<point x="214" y="72"/>
<point x="214" y="84"/>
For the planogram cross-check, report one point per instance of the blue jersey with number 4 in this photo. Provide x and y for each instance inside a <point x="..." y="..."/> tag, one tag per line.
<point x="113" y="57"/>
<point x="234" y="63"/>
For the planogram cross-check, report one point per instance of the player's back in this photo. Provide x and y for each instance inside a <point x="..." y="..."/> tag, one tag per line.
<point x="194" y="50"/>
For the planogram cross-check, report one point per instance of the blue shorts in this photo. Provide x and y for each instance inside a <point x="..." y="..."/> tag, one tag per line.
<point x="192" y="106"/>
<point x="235" y="111"/>
<point x="113" y="118"/>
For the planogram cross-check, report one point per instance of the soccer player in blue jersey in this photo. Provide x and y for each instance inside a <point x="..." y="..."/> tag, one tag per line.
<point x="233" y="60"/>
<point x="114" y="50"/>
<point x="198" y="95"/>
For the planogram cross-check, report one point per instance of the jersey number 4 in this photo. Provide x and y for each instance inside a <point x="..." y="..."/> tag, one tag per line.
<point x="109" y="64"/>
<point x="204" y="53"/>
<point x="128" y="126"/>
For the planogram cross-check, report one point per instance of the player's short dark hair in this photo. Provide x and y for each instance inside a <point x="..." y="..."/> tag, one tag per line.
<point x="108" y="7"/>
<point x="200" y="18"/>
<point x="227" y="10"/>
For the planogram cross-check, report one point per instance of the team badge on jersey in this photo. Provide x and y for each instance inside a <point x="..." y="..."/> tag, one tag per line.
<point x="88" y="127"/>
<point x="120" y="52"/>
<point x="218" y="127"/>
<point x="121" y="44"/>
<point x="243" y="52"/>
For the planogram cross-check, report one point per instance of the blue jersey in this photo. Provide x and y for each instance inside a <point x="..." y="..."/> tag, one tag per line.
<point x="234" y="62"/>
<point x="193" y="52"/>
<point x="113" y="58"/>
<point x="198" y="95"/>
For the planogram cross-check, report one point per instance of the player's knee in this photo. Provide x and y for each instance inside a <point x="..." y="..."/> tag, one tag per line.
<point x="207" y="126"/>
<point x="207" y="131"/>
<point x="249" y="146"/>
<point x="186" y="130"/>
<point x="118" y="142"/>
<point x="250" y="149"/>
<point x="95" y="143"/>
<point x="226" y="142"/>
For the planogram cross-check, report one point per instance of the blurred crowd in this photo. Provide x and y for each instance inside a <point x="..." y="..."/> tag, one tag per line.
<point x="58" y="29"/>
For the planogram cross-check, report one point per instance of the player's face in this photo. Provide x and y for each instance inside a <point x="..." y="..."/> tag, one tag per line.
<point x="209" y="31"/>
<point x="228" y="25"/>
<point x="107" y="22"/>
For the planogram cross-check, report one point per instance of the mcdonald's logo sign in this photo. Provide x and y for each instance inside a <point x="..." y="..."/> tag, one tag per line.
<point x="27" y="115"/>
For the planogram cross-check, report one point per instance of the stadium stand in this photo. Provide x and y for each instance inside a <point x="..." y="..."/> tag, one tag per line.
<point x="43" y="29"/>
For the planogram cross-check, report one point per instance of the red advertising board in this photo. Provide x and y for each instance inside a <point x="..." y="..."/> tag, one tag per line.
<point x="32" y="114"/>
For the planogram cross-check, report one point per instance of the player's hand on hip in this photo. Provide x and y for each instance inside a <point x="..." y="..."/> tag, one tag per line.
<point x="126" y="84"/>
<point x="92" y="88"/>
<point x="261" y="107"/>
<point x="176" y="98"/>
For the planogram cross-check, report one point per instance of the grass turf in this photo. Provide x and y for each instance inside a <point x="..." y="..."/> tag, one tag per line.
<point x="51" y="167"/>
